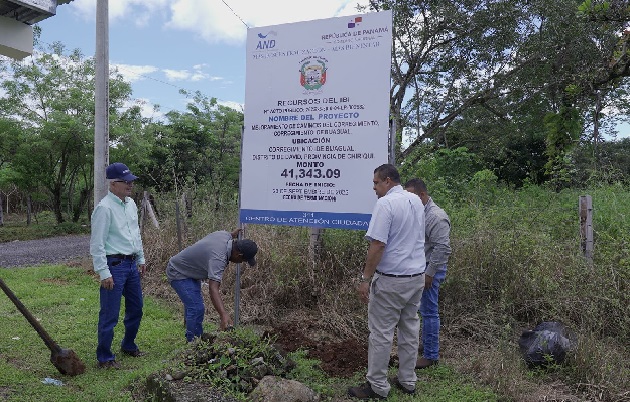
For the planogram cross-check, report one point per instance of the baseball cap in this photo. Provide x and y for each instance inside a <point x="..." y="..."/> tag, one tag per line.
<point x="249" y="250"/>
<point x="120" y="171"/>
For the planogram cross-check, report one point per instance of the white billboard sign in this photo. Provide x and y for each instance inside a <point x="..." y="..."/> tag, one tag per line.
<point x="316" y="121"/>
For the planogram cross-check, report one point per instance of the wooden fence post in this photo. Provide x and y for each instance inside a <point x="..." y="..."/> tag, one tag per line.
<point x="179" y="225"/>
<point x="586" y="227"/>
<point x="147" y="210"/>
<point x="315" y="245"/>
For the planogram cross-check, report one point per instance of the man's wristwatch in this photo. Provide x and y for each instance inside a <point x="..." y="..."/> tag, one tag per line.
<point x="364" y="279"/>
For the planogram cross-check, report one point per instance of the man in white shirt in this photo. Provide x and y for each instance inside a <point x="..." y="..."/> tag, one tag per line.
<point x="392" y="284"/>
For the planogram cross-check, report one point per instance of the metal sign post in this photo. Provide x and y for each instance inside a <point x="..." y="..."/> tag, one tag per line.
<point x="237" y="284"/>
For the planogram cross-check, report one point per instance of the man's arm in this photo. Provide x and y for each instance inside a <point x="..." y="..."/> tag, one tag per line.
<point x="439" y="235"/>
<point x="374" y="255"/>
<point x="137" y="241"/>
<point x="99" y="231"/>
<point x="217" y="302"/>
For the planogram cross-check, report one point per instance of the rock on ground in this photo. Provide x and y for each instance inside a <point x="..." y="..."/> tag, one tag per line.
<point x="278" y="389"/>
<point x="159" y="389"/>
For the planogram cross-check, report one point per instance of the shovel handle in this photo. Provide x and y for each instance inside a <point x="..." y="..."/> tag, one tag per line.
<point x="52" y="345"/>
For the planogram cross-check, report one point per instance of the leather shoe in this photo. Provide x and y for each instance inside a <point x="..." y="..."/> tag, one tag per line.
<point x="397" y="384"/>
<point x="364" y="391"/>
<point x="423" y="363"/>
<point x="113" y="364"/>
<point x="133" y="353"/>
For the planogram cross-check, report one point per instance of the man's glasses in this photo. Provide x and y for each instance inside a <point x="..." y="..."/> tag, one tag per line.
<point x="123" y="181"/>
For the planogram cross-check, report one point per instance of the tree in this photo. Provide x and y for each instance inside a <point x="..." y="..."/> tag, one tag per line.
<point x="9" y="140"/>
<point x="197" y="147"/>
<point x="451" y="56"/>
<point x="52" y="96"/>
<point x="487" y="58"/>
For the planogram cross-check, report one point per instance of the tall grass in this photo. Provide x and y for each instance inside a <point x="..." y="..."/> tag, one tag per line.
<point x="516" y="261"/>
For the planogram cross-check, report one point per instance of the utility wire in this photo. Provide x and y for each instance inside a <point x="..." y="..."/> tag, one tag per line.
<point x="233" y="12"/>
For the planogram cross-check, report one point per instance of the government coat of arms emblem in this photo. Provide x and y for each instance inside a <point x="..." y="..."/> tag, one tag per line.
<point x="313" y="73"/>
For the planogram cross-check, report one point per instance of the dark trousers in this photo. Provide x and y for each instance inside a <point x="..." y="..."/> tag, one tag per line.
<point x="189" y="291"/>
<point x="126" y="283"/>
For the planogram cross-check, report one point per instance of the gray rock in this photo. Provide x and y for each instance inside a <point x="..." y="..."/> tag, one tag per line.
<point x="277" y="389"/>
<point x="158" y="389"/>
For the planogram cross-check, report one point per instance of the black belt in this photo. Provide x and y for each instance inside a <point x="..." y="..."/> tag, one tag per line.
<point x="123" y="257"/>
<point x="399" y="276"/>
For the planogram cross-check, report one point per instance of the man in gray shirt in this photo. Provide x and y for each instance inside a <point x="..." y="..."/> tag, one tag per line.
<point x="206" y="259"/>
<point x="437" y="249"/>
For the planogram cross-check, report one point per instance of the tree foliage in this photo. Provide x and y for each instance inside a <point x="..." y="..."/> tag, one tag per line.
<point x="200" y="146"/>
<point x="47" y="133"/>
<point x="483" y="74"/>
<point x="50" y="96"/>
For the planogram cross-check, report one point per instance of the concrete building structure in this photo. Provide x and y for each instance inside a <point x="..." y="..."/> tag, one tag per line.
<point x="16" y="20"/>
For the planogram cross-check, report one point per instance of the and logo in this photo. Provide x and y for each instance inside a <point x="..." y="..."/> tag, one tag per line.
<point x="355" y="22"/>
<point x="313" y="73"/>
<point x="265" y="43"/>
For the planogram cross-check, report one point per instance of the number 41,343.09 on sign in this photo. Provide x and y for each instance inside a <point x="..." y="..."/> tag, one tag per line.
<point x="311" y="173"/>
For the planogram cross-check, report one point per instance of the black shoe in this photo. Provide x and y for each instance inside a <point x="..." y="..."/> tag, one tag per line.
<point x="133" y="353"/>
<point x="423" y="363"/>
<point x="364" y="392"/>
<point x="397" y="384"/>
<point x="110" y="364"/>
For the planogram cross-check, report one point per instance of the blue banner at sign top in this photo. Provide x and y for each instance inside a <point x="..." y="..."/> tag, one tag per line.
<point x="303" y="218"/>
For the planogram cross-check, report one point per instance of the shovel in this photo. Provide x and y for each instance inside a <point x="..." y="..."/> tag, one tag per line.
<point x="65" y="360"/>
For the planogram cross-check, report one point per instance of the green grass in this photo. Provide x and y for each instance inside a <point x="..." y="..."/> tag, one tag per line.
<point x="65" y="300"/>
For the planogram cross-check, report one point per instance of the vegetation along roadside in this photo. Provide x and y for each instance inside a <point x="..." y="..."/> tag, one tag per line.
<point x="516" y="261"/>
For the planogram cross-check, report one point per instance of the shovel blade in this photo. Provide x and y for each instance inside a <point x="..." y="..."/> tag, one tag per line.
<point x="67" y="362"/>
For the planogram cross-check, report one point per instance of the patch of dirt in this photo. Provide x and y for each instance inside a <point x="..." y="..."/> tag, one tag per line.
<point x="338" y="359"/>
<point x="5" y="393"/>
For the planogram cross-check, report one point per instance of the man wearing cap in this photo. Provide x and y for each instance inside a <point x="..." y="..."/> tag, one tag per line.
<point x="118" y="259"/>
<point x="206" y="259"/>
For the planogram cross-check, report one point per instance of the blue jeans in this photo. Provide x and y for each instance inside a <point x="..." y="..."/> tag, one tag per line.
<point x="189" y="291"/>
<point x="126" y="283"/>
<point x="431" y="317"/>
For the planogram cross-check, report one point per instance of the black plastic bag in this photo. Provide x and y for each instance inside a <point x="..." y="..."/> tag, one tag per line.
<point x="548" y="343"/>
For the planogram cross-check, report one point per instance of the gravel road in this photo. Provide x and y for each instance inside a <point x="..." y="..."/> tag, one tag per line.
<point x="44" y="251"/>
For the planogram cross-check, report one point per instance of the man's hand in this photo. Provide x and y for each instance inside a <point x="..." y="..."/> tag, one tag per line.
<point x="236" y="232"/>
<point x="364" y="291"/>
<point x="217" y="302"/>
<point x="428" y="280"/>
<point x="142" y="269"/>
<point x="226" y="322"/>
<point x="108" y="283"/>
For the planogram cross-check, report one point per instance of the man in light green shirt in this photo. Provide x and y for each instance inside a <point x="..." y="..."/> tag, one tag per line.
<point x="118" y="258"/>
